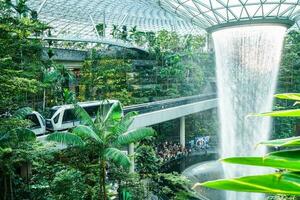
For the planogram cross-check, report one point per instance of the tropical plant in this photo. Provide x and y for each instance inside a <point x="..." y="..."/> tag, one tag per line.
<point x="172" y="186"/>
<point x="68" y="185"/>
<point x="147" y="161"/>
<point x="115" y="32"/>
<point x="20" y="57"/>
<point x="16" y="145"/>
<point x="288" y="81"/>
<point x="286" y="180"/>
<point x="56" y="78"/>
<point x="107" y="78"/>
<point x="124" y="33"/>
<point x="101" y="29"/>
<point x="109" y="132"/>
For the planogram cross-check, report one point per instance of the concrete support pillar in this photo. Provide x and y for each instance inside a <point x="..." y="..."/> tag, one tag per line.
<point x="131" y="155"/>
<point x="182" y="131"/>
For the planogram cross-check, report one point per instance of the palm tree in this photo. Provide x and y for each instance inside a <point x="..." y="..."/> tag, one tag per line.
<point x="115" y="32"/>
<point x="109" y="132"/>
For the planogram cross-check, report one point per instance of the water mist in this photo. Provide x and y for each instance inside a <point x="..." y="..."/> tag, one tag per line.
<point x="247" y="59"/>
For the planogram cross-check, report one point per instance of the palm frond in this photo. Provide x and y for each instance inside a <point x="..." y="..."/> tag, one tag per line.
<point x="86" y="132"/>
<point x="3" y="137"/>
<point x="117" y="157"/>
<point x="25" y="135"/>
<point x="50" y="76"/>
<point x="125" y="123"/>
<point x="135" y="136"/>
<point x="120" y="127"/>
<point x="83" y="116"/>
<point x="66" y="138"/>
<point x="69" y="96"/>
<point x="114" y="113"/>
<point x="22" y="113"/>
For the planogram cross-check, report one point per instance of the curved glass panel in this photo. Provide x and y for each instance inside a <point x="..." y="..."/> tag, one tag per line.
<point x="213" y="13"/>
<point x="77" y="18"/>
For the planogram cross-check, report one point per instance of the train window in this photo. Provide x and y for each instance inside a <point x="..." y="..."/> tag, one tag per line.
<point x="92" y="110"/>
<point x="56" y="119"/>
<point x="35" y="121"/>
<point x="51" y="113"/>
<point x="69" y="115"/>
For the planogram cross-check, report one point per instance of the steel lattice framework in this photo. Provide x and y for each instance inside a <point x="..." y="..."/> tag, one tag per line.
<point x="77" y="18"/>
<point x="214" y="14"/>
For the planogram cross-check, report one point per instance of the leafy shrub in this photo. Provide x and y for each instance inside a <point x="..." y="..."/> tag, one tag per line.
<point x="68" y="185"/>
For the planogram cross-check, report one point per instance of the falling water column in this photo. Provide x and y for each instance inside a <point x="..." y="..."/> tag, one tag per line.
<point x="247" y="59"/>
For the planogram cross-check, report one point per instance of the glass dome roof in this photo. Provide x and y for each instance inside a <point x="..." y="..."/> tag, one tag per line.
<point x="77" y="18"/>
<point x="211" y="14"/>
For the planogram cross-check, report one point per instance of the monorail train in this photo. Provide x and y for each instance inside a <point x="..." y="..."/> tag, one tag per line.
<point x="62" y="117"/>
<point x="38" y="125"/>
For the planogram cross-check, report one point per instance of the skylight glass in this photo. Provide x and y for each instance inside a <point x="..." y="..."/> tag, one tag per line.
<point x="77" y="18"/>
<point x="221" y="12"/>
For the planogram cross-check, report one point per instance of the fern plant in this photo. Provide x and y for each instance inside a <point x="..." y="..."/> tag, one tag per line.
<point x="286" y="179"/>
<point x="109" y="132"/>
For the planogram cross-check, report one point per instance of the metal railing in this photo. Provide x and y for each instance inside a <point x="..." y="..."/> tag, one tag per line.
<point x="169" y="103"/>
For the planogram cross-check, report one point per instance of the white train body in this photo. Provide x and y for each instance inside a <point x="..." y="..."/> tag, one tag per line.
<point x="38" y="123"/>
<point x="63" y="118"/>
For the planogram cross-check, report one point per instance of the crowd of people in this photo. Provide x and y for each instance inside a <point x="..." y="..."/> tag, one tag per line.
<point x="173" y="150"/>
<point x="200" y="143"/>
<point x="169" y="150"/>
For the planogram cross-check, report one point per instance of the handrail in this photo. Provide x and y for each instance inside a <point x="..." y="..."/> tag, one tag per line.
<point x="164" y="104"/>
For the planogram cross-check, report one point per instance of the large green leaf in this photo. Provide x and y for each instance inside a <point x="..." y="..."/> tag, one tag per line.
<point x="280" y="113"/>
<point x="66" y="138"/>
<point x="51" y="76"/>
<point x="117" y="156"/>
<point x="289" y="96"/>
<point x="22" y="113"/>
<point x="114" y="113"/>
<point x="277" y="183"/>
<point x="135" y="135"/>
<point x="289" y="160"/>
<point x="287" y="142"/>
<point x="25" y="135"/>
<point x="4" y="137"/>
<point x="86" y="132"/>
<point x="83" y="116"/>
<point x="125" y="123"/>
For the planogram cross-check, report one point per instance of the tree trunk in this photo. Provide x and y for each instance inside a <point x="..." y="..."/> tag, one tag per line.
<point x="44" y="100"/>
<point x="11" y="189"/>
<point x="103" y="195"/>
<point x="5" y="188"/>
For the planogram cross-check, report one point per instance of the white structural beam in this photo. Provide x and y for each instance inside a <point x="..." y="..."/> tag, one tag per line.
<point x="131" y="156"/>
<point x="95" y="28"/>
<point x="182" y="131"/>
<point x="156" y="117"/>
<point x="41" y="6"/>
<point x="102" y="40"/>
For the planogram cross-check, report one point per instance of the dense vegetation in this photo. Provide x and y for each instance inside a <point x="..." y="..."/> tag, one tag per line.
<point x="288" y="81"/>
<point x="94" y="165"/>
<point x="174" y="67"/>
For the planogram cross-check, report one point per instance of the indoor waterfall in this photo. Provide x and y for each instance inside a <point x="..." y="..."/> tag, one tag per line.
<point x="247" y="59"/>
